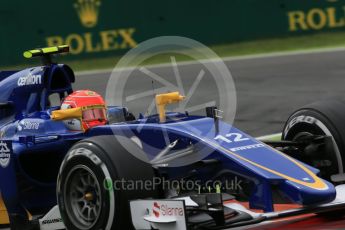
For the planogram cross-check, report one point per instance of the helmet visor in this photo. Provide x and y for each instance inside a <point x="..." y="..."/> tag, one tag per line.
<point x="94" y="114"/>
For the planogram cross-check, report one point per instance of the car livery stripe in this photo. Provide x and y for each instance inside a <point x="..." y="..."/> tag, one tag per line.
<point x="318" y="183"/>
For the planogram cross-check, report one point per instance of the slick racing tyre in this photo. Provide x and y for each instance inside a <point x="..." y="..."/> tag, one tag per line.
<point x="86" y="192"/>
<point x="323" y="118"/>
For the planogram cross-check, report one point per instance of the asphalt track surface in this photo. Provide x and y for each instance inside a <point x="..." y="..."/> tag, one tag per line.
<point x="268" y="89"/>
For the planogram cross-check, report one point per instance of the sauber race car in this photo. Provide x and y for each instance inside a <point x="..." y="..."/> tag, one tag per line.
<point x="86" y="165"/>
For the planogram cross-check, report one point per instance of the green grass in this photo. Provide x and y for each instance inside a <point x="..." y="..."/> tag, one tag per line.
<point x="277" y="137"/>
<point x="322" y="40"/>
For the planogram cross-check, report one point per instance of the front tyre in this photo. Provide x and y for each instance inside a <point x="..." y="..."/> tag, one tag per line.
<point x="86" y="203"/>
<point x="323" y="118"/>
<point x="85" y="188"/>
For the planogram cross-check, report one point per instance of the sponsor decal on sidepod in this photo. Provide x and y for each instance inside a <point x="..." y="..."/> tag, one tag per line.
<point x="5" y="154"/>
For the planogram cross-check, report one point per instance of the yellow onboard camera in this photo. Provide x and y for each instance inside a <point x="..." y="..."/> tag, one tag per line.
<point x="164" y="99"/>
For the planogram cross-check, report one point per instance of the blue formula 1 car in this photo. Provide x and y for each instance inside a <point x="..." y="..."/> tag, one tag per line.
<point x="164" y="171"/>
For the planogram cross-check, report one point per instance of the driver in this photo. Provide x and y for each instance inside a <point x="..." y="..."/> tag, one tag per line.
<point x="93" y="110"/>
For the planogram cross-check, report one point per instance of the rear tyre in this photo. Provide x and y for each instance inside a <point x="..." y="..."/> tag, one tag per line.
<point x="87" y="196"/>
<point x="320" y="118"/>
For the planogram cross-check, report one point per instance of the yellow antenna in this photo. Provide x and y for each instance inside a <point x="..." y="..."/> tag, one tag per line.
<point x="164" y="99"/>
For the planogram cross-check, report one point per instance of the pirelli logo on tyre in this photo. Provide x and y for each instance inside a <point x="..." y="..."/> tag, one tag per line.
<point x="299" y="119"/>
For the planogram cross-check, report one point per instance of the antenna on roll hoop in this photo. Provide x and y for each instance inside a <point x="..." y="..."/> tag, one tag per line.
<point x="46" y="53"/>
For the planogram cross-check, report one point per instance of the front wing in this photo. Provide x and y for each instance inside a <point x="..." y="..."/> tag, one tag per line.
<point x="204" y="211"/>
<point x="193" y="212"/>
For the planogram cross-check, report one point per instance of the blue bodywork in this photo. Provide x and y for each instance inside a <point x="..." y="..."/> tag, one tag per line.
<point x="38" y="144"/>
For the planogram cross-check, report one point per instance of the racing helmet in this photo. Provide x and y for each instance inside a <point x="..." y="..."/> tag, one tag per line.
<point x="93" y="110"/>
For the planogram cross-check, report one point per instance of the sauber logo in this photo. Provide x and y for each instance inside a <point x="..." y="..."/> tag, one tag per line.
<point x="30" y="80"/>
<point x="166" y="210"/>
<point x="5" y="154"/>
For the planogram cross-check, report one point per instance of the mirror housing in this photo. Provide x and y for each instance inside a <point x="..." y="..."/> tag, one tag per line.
<point x="66" y="114"/>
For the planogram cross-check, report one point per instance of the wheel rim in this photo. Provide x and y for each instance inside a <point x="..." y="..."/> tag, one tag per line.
<point x="326" y="170"/>
<point x="83" y="197"/>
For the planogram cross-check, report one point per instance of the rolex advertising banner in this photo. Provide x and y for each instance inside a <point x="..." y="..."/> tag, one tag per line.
<point x="99" y="28"/>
